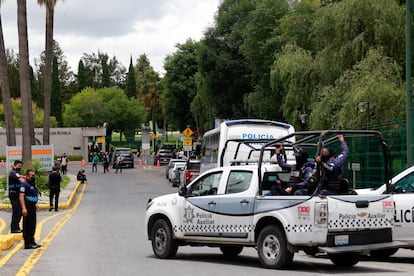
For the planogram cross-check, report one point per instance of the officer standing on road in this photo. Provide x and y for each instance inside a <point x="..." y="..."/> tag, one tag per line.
<point x="28" y="200"/>
<point x="15" y="178"/>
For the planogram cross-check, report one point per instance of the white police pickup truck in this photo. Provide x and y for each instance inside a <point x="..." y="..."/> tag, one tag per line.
<point x="402" y="187"/>
<point x="227" y="207"/>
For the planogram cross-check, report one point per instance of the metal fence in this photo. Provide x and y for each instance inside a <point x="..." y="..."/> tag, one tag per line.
<point x="365" y="164"/>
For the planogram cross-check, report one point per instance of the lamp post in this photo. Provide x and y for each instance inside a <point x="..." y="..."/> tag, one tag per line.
<point x="361" y="107"/>
<point x="303" y="121"/>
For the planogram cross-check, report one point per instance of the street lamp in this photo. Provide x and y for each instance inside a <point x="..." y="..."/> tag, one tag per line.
<point x="362" y="106"/>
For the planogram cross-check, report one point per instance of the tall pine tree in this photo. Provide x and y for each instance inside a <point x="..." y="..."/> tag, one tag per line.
<point x="81" y="76"/>
<point x="131" y="83"/>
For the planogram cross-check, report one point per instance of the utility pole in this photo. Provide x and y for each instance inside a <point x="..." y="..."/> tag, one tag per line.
<point x="408" y="77"/>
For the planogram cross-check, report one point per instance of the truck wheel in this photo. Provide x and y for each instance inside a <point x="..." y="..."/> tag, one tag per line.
<point x="344" y="260"/>
<point x="163" y="244"/>
<point x="272" y="248"/>
<point x="383" y="253"/>
<point x="231" y="251"/>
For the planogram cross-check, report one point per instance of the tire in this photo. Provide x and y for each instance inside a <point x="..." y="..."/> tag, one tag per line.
<point x="163" y="244"/>
<point x="344" y="260"/>
<point x="272" y="248"/>
<point x="231" y="251"/>
<point x="383" y="253"/>
<point x="311" y="251"/>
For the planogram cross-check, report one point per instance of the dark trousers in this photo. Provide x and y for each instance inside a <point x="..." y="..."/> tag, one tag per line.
<point x="54" y="193"/>
<point x="29" y="226"/>
<point x="16" y="210"/>
<point x="64" y="169"/>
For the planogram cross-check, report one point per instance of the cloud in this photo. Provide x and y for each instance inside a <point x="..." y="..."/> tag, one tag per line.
<point x="120" y="28"/>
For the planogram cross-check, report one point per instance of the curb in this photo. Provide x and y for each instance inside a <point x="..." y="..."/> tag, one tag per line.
<point x="7" y="240"/>
<point x="43" y="206"/>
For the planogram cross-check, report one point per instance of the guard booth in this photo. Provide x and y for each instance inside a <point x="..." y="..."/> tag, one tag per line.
<point x="95" y="140"/>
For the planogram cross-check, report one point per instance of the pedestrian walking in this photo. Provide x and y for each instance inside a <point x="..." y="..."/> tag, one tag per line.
<point x="95" y="161"/>
<point x="15" y="179"/>
<point x="105" y="163"/>
<point x="54" y="181"/>
<point x="118" y="163"/>
<point x="28" y="198"/>
<point x="64" y="164"/>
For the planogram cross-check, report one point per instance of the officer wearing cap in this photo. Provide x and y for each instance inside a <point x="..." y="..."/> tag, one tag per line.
<point x="15" y="178"/>
<point x="28" y="198"/>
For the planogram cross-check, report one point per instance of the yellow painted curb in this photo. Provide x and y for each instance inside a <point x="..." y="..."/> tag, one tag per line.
<point x="46" y="206"/>
<point x="7" y="241"/>
<point x="17" y="236"/>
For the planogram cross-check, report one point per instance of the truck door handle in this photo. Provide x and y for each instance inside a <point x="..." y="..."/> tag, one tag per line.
<point x="244" y="201"/>
<point x="212" y="203"/>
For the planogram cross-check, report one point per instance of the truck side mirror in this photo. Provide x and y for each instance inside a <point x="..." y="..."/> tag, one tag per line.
<point x="182" y="191"/>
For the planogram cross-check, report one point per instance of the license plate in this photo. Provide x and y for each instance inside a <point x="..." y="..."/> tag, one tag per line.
<point x="341" y="240"/>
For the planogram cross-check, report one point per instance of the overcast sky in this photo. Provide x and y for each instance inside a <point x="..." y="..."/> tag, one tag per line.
<point x="120" y="28"/>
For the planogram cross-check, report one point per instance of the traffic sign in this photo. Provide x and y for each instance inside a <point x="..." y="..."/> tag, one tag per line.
<point x="188" y="132"/>
<point x="188" y="142"/>
<point x="153" y="136"/>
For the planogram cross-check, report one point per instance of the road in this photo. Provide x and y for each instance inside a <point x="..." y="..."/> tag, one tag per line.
<point x="103" y="234"/>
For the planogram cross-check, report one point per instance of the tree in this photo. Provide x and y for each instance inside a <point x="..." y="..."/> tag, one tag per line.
<point x="24" y="68"/>
<point x="5" y="92"/>
<point x="50" y="10"/>
<point x="149" y="88"/>
<point x="17" y="114"/>
<point x="179" y="86"/>
<point x="131" y="84"/>
<point x="81" y="76"/>
<point x="93" y="107"/>
<point x="259" y="46"/>
<point x="97" y="75"/>
<point x="223" y="69"/>
<point x="106" y="80"/>
<point x="294" y="73"/>
<point x="56" y="103"/>
<point x="375" y="79"/>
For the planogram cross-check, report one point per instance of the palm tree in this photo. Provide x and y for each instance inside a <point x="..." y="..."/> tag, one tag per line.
<point x="5" y="92"/>
<point x="50" y="10"/>
<point x="25" y="90"/>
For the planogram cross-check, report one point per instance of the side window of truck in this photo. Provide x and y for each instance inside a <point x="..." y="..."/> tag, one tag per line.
<point x="238" y="181"/>
<point x="405" y="185"/>
<point x="207" y="185"/>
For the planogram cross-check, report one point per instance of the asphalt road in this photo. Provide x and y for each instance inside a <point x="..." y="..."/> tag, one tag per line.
<point x="103" y="234"/>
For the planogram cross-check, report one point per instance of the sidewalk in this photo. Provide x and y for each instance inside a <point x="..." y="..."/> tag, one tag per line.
<point x="66" y="196"/>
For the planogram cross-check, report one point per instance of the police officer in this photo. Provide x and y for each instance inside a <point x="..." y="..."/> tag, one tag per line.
<point x="15" y="178"/>
<point x="28" y="200"/>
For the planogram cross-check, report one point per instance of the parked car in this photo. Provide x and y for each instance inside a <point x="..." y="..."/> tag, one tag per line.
<point x="190" y="171"/>
<point x="403" y="193"/>
<point x="127" y="156"/>
<point x="163" y="155"/>
<point x="170" y="166"/>
<point x="175" y="173"/>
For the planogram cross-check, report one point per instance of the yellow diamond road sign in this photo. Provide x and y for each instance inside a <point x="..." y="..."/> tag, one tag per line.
<point x="153" y="136"/>
<point x="188" y="132"/>
<point x="188" y="142"/>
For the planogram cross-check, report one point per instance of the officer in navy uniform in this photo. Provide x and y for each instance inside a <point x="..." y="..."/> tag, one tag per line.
<point x="15" y="178"/>
<point x="28" y="201"/>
